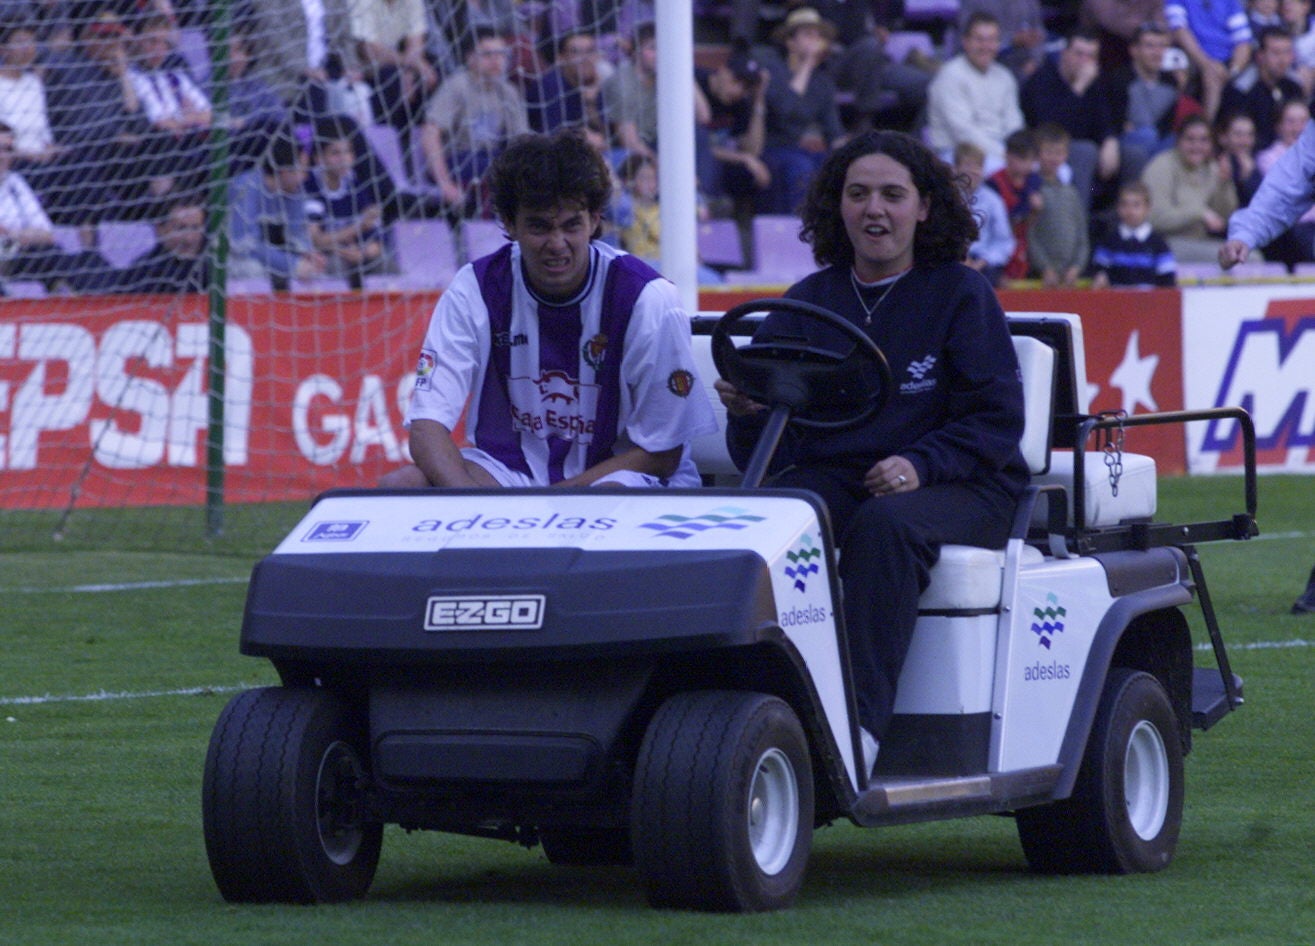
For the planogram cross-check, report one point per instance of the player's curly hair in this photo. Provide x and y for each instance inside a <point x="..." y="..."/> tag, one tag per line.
<point x="943" y="237"/>
<point x="541" y="171"/>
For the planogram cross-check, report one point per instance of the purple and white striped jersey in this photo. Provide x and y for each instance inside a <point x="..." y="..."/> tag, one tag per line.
<point x="555" y="388"/>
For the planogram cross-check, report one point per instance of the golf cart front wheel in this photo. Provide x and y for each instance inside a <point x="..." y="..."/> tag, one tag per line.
<point x="722" y="813"/>
<point x="1127" y="805"/>
<point x="283" y="801"/>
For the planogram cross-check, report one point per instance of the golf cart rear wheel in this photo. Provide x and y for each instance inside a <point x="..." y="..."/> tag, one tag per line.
<point x="722" y="813"/>
<point x="1127" y="805"/>
<point x="283" y="800"/>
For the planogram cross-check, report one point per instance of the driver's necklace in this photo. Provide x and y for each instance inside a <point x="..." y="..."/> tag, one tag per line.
<point x="863" y="289"/>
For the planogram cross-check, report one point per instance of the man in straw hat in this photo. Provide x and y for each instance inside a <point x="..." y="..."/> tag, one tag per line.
<point x="803" y="123"/>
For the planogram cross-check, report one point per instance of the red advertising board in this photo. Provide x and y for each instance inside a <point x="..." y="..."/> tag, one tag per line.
<point x="106" y="403"/>
<point x="109" y="402"/>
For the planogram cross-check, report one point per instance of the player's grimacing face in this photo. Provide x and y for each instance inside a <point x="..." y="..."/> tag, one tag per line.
<point x="554" y="246"/>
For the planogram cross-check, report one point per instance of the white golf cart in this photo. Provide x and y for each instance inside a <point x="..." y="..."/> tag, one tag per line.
<point x="659" y="678"/>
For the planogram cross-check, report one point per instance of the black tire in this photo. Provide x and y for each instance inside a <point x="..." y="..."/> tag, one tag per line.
<point x="587" y="847"/>
<point x="283" y="800"/>
<point x="1127" y="804"/>
<point x="722" y="811"/>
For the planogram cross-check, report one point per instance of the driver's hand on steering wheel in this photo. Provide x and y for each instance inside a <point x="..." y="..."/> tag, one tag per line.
<point x="891" y="475"/>
<point x="736" y="404"/>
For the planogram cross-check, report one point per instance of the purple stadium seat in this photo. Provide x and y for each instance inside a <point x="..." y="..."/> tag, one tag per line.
<point x="720" y="245"/>
<point x="426" y="255"/>
<point x="778" y="251"/>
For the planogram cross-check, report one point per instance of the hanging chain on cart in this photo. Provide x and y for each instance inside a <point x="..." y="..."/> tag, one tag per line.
<point x="1111" y="445"/>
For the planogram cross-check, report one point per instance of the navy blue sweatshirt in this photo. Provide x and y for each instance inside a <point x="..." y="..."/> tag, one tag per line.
<point x="956" y="412"/>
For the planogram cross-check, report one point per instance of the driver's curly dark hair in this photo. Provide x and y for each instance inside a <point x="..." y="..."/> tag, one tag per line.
<point x="539" y="172"/>
<point x="943" y="237"/>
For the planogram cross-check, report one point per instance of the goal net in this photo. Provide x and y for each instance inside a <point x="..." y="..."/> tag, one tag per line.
<point x="223" y="229"/>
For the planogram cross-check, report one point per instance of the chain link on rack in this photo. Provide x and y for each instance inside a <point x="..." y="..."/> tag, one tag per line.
<point x="1111" y="445"/>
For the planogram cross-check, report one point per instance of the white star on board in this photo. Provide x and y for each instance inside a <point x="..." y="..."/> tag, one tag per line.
<point x="1133" y="376"/>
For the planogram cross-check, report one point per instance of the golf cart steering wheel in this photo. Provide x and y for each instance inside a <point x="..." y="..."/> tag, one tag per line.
<point x="830" y="378"/>
<point x="825" y="388"/>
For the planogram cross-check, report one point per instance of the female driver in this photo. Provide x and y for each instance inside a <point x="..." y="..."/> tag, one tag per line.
<point x="940" y="463"/>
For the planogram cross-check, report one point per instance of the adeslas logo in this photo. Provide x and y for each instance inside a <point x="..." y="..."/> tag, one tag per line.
<point x="1048" y="621"/>
<point x="802" y="563"/>
<point x="676" y="526"/>
<point x="481" y="522"/>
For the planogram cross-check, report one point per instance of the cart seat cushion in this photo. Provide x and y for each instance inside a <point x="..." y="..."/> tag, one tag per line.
<point x="967" y="578"/>
<point x="1036" y="366"/>
<point x="1134" y="500"/>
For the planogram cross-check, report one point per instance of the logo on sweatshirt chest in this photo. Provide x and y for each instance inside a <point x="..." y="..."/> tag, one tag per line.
<point x="919" y="377"/>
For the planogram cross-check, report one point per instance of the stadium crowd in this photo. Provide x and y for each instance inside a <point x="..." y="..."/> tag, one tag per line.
<point x="1107" y="140"/>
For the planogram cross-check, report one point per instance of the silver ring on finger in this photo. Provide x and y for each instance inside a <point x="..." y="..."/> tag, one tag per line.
<point x="901" y="480"/>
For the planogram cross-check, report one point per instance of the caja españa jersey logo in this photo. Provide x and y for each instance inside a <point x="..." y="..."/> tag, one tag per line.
<point x="676" y="526"/>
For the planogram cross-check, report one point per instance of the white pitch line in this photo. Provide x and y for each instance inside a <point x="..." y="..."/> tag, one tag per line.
<point x="106" y="695"/>
<point x="125" y="586"/>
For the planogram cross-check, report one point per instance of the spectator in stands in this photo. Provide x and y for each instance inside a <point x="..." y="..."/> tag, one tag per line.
<point x="574" y="301"/>
<point x="343" y="210"/>
<point x="255" y="110"/>
<point x="1217" y="39"/>
<point x="177" y="111"/>
<point x="390" y="38"/>
<point x="1292" y="119"/>
<point x="1058" y="245"/>
<point x="23" y="95"/>
<point x="23" y="108"/>
<point x="1019" y="186"/>
<point x="636" y="214"/>
<point x="27" y="237"/>
<point x="1143" y="101"/>
<point x="1022" y="31"/>
<point x="94" y="111"/>
<point x="995" y="242"/>
<point x="1301" y="27"/>
<point x="268" y="221"/>
<point x="1117" y="23"/>
<point x="53" y="22"/>
<point x="460" y="17"/>
<point x="973" y="97"/>
<point x="1235" y="136"/>
<point x="889" y="226"/>
<point x="1192" y="193"/>
<point x="1280" y="219"/>
<point x="570" y="93"/>
<point x="307" y="46"/>
<point x="178" y="262"/>
<point x="731" y="109"/>
<point x="886" y="93"/>
<point x="470" y="120"/>
<point x="1264" y="85"/>
<point x="615" y="21"/>
<point x="1069" y="91"/>
<point x="803" y="124"/>
<point x="629" y="97"/>
<point x="1133" y="254"/>
<point x="1263" y="15"/>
